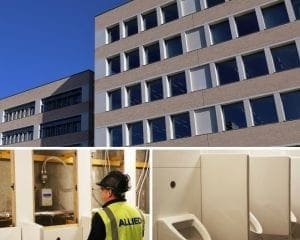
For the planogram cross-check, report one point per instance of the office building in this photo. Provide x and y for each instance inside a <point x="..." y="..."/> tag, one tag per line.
<point x="59" y="113"/>
<point x="198" y="73"/>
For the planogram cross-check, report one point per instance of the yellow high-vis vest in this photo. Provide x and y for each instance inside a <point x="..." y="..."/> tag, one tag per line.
<point x="122" y="222"/>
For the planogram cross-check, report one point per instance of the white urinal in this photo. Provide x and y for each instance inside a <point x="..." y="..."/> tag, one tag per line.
<point x="255" y="226"/>
<point x="182" y="227"/>
<point x="293" y="218"/>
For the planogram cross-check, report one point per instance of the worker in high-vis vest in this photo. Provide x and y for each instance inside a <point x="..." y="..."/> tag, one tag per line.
<point x="116" y="220"/>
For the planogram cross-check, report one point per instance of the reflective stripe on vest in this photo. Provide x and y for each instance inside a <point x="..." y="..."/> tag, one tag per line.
<point x="113" y="224"/>
<point x="122" y="222"/>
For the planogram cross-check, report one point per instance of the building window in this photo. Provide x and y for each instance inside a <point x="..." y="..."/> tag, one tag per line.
<point x="220" y="32"/>
<point x="255" y="64"/>
<point x="296" y="6"/>
<point x="275" y="15"/>
<point x="173" y="47"/>
<point x="18" y="112"/>
<point x="195" y="39"/>
<point x="115" y="99"/>
<point x="247" y="24"/>
<point x="114" y="65"/>
<point x="264" y="110"/>
<point x="61" y="127"/>
<point x="206" y="121"/>
<point x="155" y="90"/>
<point x="177" y="84"/>
<point x="181" y="125"/>
<point x="170" y="12"/>
<point x="133" y="59"/>
<point x="234" y="116"/>
<point x="152" y="53"/>
<point x="285" y="57"/>
<point x="212" y="3"/>
<point x="150" y="20"/>
<point x="134" y="95"/>
<point x="136" y="135"/>
<point x="113" y="34"/>
<point x="115" y="136"/>
<point x="227" y="71"/>
<point x="17" y="136"/>
<point x="62" y="100"/>
<point x="200" y="78"/>
<point x="131" y="27"/>
<point x="157" y="129"/>
<point x="291" y="105"/>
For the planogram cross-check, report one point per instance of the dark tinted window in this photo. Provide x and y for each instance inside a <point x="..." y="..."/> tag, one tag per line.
<point x="113" y="34"/>
<point x="227" y="72"/>
<point x="133" y="59"/>
<point x="114" y="65"/>
<point x="170" y="12"/>
<point x="116" y="136"/>
<point x="134" y="95"/>
<point x="155" y="89"/>
<point x="247" y="24"/>
<point x="264" y="110"/>
<point x="255" y="65"/>
<point x="21" y="111"/>
<point x="181" y="125"/>
<point x="150" y="20"/>
<point x="285" y="57"/>
<point x="234" y="116"/>
<point x="115" y="101"/>
<point x="291" y="105"/>
<point x="61" y="127"/>
<point x="152" y="53"/>
<point x="174" y="47"/>
<point x="220" y="32"/>
<point x="131" y="27"/>
<point x="296" y="6"/>
<point x="17" y="135"/>
<point x="177" y="84"/>
<point x="211" y="3"/>
<point x="62" y="100"/>
<point x="275" y="15"/>
<point x="136" y="135"/>
<point x="158" y="129"/>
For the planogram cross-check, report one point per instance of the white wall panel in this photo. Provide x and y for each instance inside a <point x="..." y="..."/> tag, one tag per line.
<point x="270" y="193"/>
<point x="224" y="181"/>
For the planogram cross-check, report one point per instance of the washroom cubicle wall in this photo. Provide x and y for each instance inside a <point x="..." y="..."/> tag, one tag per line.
<point x="187" y="182"/>
<point x="224" y="187"/>
<point x="270" y="195"/>
<point x="236" y="193"/>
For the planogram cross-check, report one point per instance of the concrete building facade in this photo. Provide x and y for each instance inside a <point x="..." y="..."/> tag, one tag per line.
<point x="59" y="113"/>
<point x="198" y="73"/>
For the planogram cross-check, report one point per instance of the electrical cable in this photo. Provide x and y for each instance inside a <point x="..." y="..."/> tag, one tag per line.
<point x="144" y="177"/>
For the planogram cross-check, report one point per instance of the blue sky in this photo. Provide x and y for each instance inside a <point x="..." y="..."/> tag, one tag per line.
<point x="45" y="40"/>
